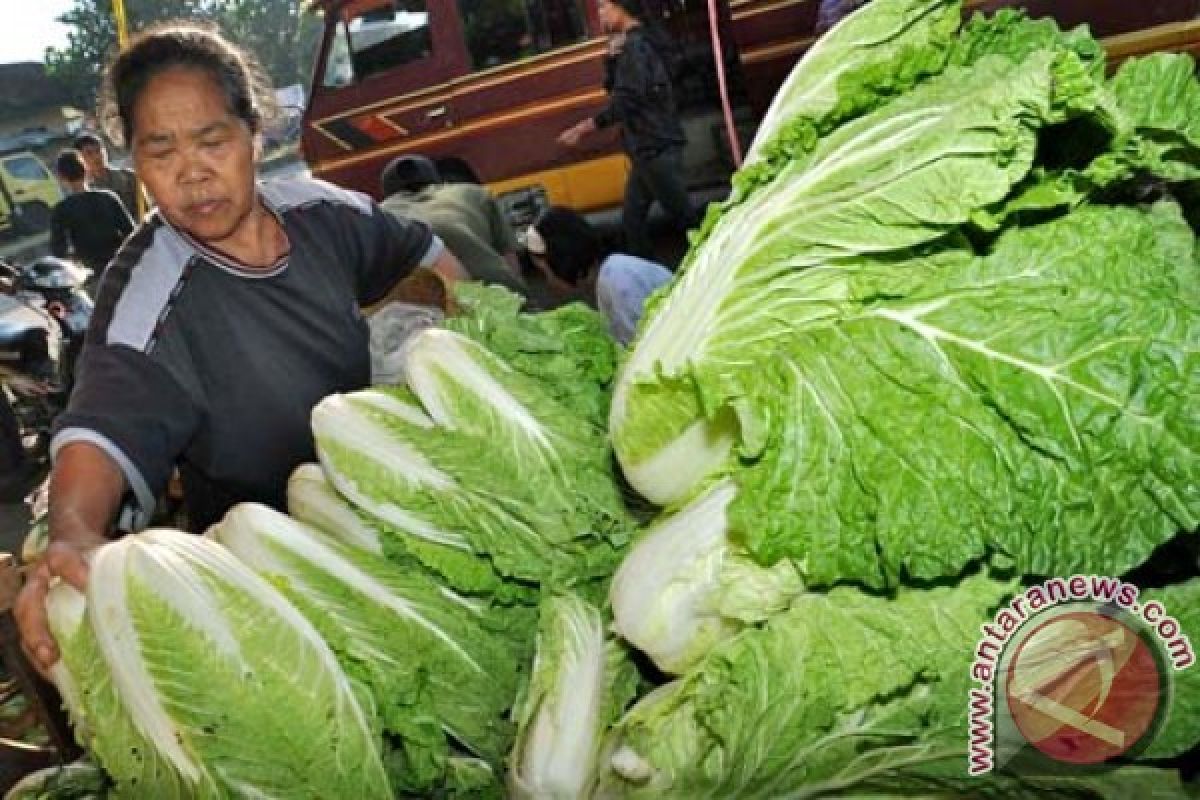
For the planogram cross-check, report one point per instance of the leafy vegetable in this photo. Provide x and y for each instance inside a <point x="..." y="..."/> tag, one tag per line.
<point x="900" y="177"/>
<point x="1181" y="728"/>
<point x="568" y="351"/>
<point x="1033" y="403"/>
<point x="847" y="694"/>
<point x="486" y="465"/>
<point x="188" y="676"/>
<point x="863" y="60"/>
<point x="442" y="669"/>
<point x="581" y="683"/>
<point x="682" y="588"/>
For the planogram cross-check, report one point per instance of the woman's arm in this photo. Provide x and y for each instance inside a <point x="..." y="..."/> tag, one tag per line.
<point x="449" y="267"/>
<point x="86" y="488"/>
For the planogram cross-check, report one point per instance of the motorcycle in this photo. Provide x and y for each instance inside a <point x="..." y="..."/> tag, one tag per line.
<point x="44" y="313"/>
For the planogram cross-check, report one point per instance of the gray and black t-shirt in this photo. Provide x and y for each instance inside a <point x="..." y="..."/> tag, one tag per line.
<point x="194" y="360"/>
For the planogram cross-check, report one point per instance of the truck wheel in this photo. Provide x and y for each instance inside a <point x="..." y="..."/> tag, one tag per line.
<point x="34" y="217"/>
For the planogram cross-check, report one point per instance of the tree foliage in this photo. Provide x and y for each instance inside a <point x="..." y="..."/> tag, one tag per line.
<point x="282" y="37"/>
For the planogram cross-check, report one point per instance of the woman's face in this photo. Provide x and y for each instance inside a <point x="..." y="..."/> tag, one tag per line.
<point x="194" y="155"/>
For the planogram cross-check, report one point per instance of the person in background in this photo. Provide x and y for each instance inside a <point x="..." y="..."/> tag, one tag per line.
<point x="103" y="175"/>
<point x="464" y="215"/>
<point x="642" y="101"/>
<point x="570" y="254"/>
<point x="830" y="12"/>
<point x="229" y="313"/>
<point x="89" y="224"/>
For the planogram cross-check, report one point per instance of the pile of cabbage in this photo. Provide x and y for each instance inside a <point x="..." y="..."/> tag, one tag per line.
<point x="409" y="620"/>
<point x="942" y="342"/>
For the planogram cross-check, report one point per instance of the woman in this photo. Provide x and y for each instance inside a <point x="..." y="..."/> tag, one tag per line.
<point x="226" y="316"/>
<point x="568" y="252"/>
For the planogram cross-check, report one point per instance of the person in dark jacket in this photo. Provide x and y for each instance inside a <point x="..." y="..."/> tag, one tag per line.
<point x="89" y="224"/>
<point x="102" y="174"/>
<point x="642" y="101"/>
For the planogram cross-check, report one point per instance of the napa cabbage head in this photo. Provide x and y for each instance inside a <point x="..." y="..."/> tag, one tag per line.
<point x="442" y="669"/>
<point x="910" y="173"/>
<point x="580" y="683"/>
<point x="1032" y="404"/>
<point x="683" y="587"/>
<point x="846" y="694"/>
<point x="568" y="350"/>
<point x="480" y="460"/>
<point x="188" y="676"/>
<point x="876" y="52"/>
<point x="313" y="500"/>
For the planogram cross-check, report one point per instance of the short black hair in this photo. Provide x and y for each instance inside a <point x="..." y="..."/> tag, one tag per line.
<point x="408" y="173"/>
<point x="69" y="166"/>
<point x="573" y="246"/>
<point x="190" y="45"/>
<point x="87" y="140"/>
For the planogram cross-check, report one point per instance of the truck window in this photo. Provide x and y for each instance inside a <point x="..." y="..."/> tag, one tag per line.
<point x="392" y="35"/>
<point x="26" y="168"/>
<point x="500" y="31"/>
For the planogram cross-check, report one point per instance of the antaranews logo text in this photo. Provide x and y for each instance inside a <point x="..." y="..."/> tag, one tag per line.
<point x="1076" y="668"/>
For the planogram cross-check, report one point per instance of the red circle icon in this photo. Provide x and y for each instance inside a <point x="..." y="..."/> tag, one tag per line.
<point x="1083" y="687"/>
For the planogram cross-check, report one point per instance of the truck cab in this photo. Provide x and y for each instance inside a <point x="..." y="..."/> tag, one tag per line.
<point x="483" y="87"/>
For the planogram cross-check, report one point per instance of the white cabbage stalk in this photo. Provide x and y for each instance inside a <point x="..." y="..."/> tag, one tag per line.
<point x="189" y="676"/>
<point x="683" y="588"/>
<point x="563" y="716"/>
<point x="450" y="375"/>
<point x="313" y="500"/>
<point x="274" y="544"/>
<point x="346" y="423"/>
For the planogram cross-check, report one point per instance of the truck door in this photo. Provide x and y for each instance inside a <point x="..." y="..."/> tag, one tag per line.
<point x="378" y="58"/>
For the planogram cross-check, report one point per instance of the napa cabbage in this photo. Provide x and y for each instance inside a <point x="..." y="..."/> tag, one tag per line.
<point x="189" y="676"/>
<point x="478" y="461"/>
<point x="853" y="694"/>
<point x="683" y="587"/>
<point x="581" y="681"/>
<point x="443" y="669"/>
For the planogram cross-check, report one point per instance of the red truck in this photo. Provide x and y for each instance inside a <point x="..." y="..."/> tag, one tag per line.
<point x="484" y="86"/>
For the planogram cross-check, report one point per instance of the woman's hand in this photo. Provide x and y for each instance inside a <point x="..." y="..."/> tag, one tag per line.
<point x="65" y="560"/>
<point x="86" y="487"/>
